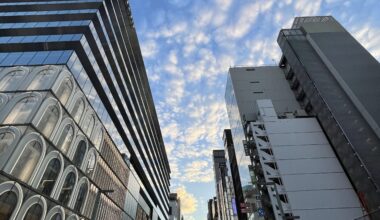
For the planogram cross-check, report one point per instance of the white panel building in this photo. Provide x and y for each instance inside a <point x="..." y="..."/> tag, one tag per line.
<point x="303" y="175"/>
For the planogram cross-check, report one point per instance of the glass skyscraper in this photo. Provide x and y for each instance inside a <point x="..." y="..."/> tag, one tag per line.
<point x="77" y="116"/>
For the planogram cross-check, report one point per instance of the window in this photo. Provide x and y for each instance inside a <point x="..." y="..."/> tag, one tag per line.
<point x="50" y="177"/>
<point x="34" y="212"/>
<point x="66" y="138"/>
<point x="64" y="90"/>
<point x="6" y="139"/>
<point x="49" y="120"/>
<point x="27" y="161"/>
<point x="88" y="124"/>
<point x="78" y="110"/>
<point x="67" y="189"/>
<point x="11" y="80"/>
<point x="79" y="154"/>
<point x="8" y="203"/>
<point x="81" y="197"/>
<point x="21" y="111"/>
<point x="41" y="80"/>
<point x="56" y="216"/>
<point x="98" y="137"/>
<point x="91" y="163"/>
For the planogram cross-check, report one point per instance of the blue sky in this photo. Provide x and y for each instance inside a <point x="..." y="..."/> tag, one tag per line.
<point x="188" y="46"/>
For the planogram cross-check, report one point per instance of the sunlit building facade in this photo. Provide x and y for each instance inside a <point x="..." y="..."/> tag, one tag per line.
<point x="79" y="135"/>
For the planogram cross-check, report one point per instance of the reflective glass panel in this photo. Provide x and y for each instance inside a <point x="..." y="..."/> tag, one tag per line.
<point x="8" y="202"/>
<point x="50" y="177"/>
<point x="27" y="161"/>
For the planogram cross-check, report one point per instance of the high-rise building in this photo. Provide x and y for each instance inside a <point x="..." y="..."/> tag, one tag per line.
<point x="225" y="193"/>
<point x="79" y="135"/>
<point x="212" y="206"/>
<point x="234" y="172"/>
<point x="337" y="80"/>
<point x="288" y="168"/>
<point x="174" y="207"/>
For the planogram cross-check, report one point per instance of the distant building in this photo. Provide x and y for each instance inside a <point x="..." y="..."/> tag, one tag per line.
<point x="224" y="188"/>
<point x="174" y="207"/>
<point x="234" y="171"/>
<point x="212" y="209"/>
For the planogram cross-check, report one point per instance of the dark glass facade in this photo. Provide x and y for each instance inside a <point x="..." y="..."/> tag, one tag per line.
<point x="336" y="79"/>
<point x="106" y="98"/>
<point x="234" y="171"/>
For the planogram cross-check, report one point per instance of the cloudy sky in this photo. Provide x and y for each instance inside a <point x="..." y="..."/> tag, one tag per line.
<point x="188" y="46"/>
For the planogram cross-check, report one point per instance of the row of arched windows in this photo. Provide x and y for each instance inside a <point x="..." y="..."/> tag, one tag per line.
<point x="12" y="206"/>
<point x="23" y="78"/>
<point x="46" y="173"/>
<point x="29" y="158"/>
<point x="20" y="108"/>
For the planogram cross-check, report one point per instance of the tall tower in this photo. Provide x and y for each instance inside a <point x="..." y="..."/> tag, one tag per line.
<point x="337" y="80"/>
<point x="79" y="133"/>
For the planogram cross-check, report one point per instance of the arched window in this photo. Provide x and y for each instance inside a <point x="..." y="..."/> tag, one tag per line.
<point x="8" y="203"/>
<point x="64" y="90"/>
<point x="98" y="137"/>
<point x="41" y="80"/>
<point x="50" y="177"/>
<point x="79" y="153"/>
<point x="3" y="100"/>
<point x="82" y="193"/>
<point x="91" y="163"/>
<point x="6" y="139"/>
<point x="27" y="161"/>
<point x="21" y="111"/>
<point x="34" y="212"/>
<point x="56" y="216"/>
<point x="78" y="110"/>
<point x="49" y="120"/>
<point x="67" y="189"/>
<point x="11" y="80"/>
<point x="66" y="138"/>
<point x="88" y="124"/>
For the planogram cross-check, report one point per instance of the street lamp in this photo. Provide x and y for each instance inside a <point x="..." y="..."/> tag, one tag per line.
<point x="96" y="205"/>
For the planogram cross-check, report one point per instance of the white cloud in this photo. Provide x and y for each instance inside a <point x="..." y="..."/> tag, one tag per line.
<point x="188" y="201"/>
<point x="198" y="171"/>
<point x="368" y="37"/>
<point x="307" y="7"/>
<point x="149" y="49"/>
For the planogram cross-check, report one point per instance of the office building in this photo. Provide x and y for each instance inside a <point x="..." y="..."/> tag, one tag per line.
<point x="79" y="135"/>
<point x="174" y="207"/>
<point x="234" y="172"/>
<point x="225" y="195"/>
<point x="288" y="168"/>
<point x="337" y="80"/>
<point x="212" y="207"/>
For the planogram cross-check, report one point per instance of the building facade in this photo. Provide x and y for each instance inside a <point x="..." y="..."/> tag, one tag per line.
<point x="336" y="79"/>
<point x="79" y="133"/>
<point x="292" y="169"/>
<point x="225" y="194"/>
<point x="174" y="207"/>
<point x="234" y="172"/>
<point x="212" y="207"/>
